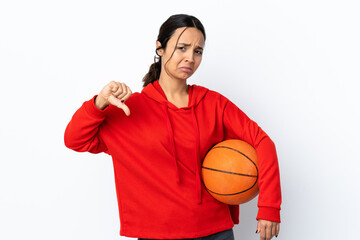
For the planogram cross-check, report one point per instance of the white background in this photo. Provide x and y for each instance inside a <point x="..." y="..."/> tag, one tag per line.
<point x="292" y="66"/>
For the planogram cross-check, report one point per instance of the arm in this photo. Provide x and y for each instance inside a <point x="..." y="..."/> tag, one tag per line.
<point x="239" y="126"/>
<point x="82" y="132"/>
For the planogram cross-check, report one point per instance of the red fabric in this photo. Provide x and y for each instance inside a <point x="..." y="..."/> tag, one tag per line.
<point x="157" y="153"/>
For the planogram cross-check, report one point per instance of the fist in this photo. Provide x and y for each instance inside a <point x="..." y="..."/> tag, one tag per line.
<point x="114" y="93"/>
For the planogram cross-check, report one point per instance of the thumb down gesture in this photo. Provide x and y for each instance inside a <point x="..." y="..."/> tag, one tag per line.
<point x="114" y="93"/>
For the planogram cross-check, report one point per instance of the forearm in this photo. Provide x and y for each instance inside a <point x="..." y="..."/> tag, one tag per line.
<point x="239" y="126"/>
<point x="81" y="133"/>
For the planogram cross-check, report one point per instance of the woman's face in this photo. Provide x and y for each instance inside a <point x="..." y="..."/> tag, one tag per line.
<point x="183" y="62"/>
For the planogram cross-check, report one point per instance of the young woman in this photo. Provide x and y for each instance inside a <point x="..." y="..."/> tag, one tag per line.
<point x="157" y="139"/>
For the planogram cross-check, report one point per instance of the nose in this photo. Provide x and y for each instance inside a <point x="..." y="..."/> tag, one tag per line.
<point x="189" y="57"/>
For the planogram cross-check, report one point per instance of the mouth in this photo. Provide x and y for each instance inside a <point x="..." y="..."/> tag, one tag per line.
<point x="186" y="69"/>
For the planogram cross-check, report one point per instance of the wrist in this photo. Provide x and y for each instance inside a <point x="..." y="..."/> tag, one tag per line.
<point x="269" y="213"/>
<point x="100" y="102"/>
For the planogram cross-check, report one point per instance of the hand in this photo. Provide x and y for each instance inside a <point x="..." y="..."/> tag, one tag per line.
<point x="267" y="229"/>
<point x="114" y="93"/>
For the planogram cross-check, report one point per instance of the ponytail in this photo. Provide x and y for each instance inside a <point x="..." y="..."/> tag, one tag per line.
<point x="153" y="74"/>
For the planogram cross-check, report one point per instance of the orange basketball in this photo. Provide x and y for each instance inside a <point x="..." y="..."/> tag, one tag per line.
<point x="230" y="172"/>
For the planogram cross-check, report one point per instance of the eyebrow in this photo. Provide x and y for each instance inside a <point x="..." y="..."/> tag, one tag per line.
<point x="187" y="44"/>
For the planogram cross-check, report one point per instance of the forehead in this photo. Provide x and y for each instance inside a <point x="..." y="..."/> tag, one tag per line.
<point x="191" y="35"/>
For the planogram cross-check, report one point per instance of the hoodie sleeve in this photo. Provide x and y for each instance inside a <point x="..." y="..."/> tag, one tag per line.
<point x="82" y="132"/>
<point x="237" y="125"/>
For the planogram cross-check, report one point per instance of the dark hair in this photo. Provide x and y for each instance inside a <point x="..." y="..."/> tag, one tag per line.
<point x="167" y="29"/>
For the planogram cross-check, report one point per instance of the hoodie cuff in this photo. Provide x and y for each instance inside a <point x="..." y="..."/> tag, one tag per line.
<point x="269" y="213"/>
<point x="92" y="110"/>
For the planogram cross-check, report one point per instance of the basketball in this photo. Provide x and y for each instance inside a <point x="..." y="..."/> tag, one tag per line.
<point x="230" y="172"/>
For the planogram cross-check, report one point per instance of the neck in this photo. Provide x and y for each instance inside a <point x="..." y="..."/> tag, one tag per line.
<point x="173" y="87"/>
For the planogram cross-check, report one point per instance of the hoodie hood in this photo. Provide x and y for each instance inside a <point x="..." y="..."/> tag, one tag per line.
<point x="196" y="95"/>
<point x="154" y="91"/>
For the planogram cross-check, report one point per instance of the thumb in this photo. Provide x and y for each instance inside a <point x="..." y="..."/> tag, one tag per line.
<point x="125" y="109"/>
<point x="118" y="103"/>
<point x="258" y="227"/>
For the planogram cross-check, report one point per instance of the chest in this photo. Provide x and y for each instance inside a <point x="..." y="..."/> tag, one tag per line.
<point x="153" y="128"/>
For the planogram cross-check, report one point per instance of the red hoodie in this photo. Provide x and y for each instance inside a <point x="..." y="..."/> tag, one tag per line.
<point x="157" y="153"/>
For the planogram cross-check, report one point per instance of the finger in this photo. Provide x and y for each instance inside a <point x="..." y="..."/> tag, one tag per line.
<point x="258" y="227"/>
<point x="262" y="230"/>
<point x="277" y="229"/>
<point x="127" y="95"/>
<point x="273" y="229"/>
<point x="262" y="234"/>
<point x="118" y="90"/>
<point x="124" y="91"/>
<point x="268" y="230"/>
<point x="113" y="86"/>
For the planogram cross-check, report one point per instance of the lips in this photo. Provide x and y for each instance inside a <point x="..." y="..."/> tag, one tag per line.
<point x="186" y="69"/>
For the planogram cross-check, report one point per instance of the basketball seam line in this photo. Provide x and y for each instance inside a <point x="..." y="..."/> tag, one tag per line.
<point x="241" y="174"/>
<point x="257" y="170"/>
<point x="230" y="194"/>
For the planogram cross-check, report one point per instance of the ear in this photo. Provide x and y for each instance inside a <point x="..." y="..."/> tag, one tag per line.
<point x="160" y="51"/>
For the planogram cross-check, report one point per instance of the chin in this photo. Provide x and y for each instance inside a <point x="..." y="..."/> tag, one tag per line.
<point x="185" y="76"/>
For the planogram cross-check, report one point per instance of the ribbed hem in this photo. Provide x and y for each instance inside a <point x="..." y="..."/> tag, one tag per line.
<point x="92" y="110"/>
<point x="269" y="213"/>
<point x="172" y="235"/>
<point x="234" y="211"/>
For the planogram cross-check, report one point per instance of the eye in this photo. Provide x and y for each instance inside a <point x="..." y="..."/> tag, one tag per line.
<point x="198" y="52"/>
<point x="181" y="48"/>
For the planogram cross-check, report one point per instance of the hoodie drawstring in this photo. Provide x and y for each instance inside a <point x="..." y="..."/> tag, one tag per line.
<point x="172" y="142"/>
<point x="197" y="153"/>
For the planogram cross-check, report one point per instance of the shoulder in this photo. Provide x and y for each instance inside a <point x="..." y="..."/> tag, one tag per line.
<point x="210" y="95"/>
